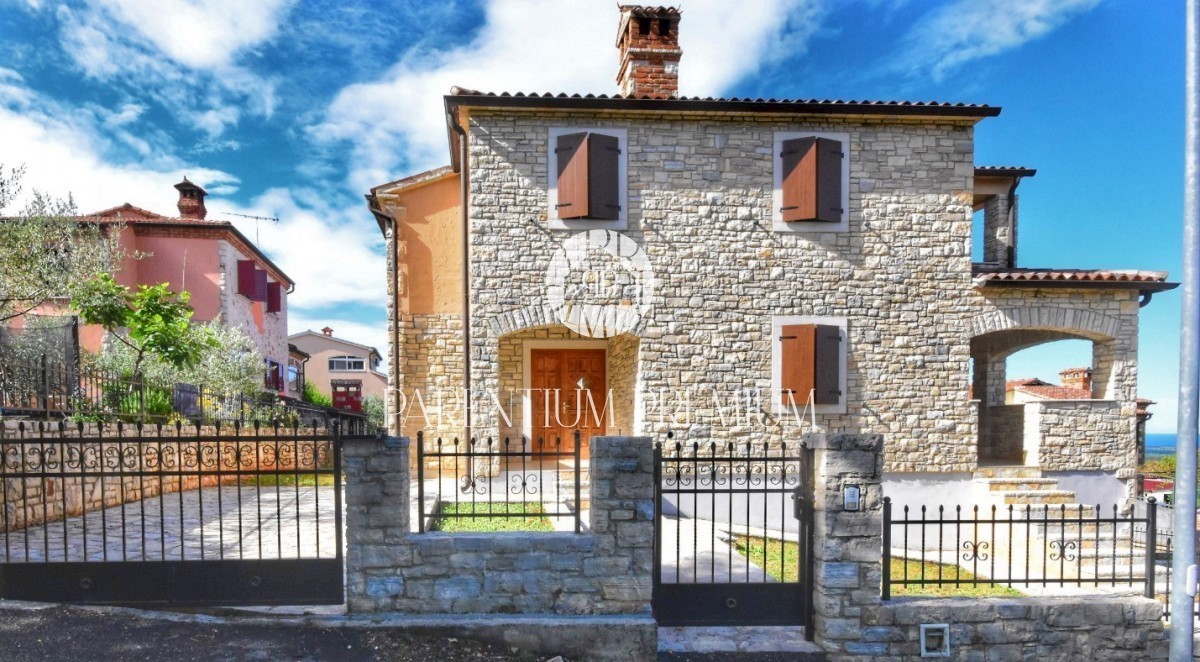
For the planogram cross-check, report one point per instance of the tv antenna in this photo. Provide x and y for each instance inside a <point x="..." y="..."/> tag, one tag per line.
<point x="256" y="220"/>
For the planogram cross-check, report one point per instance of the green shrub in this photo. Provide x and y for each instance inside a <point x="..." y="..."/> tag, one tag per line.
<point x="313" y="396"/>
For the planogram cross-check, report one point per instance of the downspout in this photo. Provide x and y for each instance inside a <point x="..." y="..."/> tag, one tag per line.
<point x="387" y="223"/>
<point x="463" y="173"/>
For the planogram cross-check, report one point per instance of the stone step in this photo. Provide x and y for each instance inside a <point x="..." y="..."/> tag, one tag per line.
<point x="1020" y="484"/>
<point x="1008" y="471"/>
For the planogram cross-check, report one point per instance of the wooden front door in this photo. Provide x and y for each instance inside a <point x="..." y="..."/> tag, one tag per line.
<point x="561" y="382"/>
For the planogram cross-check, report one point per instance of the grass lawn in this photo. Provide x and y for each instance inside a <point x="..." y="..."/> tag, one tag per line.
<point x="451" y="524"/>
<point x="289" y="480"/>
<point x="775" y="552"/>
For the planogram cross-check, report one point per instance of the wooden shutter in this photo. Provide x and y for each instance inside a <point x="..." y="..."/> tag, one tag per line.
<point x="260" y="286"/>
<point x="796" y="344"/>
<point x="810" y="357"/>
<point x="827" y="365"/>
<point x="571" y="152"/>
<point x="811" y="180"/>
<point x="246" y="278"/>
<point x="604" y="190"/>
<point x="274" y="297"/>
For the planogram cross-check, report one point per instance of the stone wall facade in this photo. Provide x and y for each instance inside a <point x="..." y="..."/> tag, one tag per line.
<point x="606" y="570"/>
<point x="1051" y="629"/>
<point x="268" y="330"/>
<point x="1003" y="436"/>
<point x="430" y="363"/>
<point x="700" y="200"/>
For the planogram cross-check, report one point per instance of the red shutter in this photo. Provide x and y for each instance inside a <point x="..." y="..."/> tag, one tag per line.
<point x="260" y="286"/>
<point x="604" y="190"/>
<point x="811" y="180"/>
<point x="827" y="365"/>
<point x="246" y="278"/>
<point x="797" y="343"/>
<point x="571" y="153"/>
<point x="274" y="297"/>
<point x="810" y="357"/>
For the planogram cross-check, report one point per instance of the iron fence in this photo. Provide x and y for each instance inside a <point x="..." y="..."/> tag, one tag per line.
<point x="1042" y="545"/>
<point x="49" y="389"/>
<point x="526" y="485"/>
<point x="224" y="514"/>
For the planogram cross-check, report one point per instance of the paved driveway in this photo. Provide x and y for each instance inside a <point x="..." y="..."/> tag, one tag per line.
<point x="230" y="522"/>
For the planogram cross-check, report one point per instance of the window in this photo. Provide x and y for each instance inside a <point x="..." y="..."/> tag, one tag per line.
<point x="808" y="364"/>
<point x="587" y="179"/>
<point x="812" y="182"/>
<point x="346" y="363"/>
<point x="295" y="376"/>
<point x="273" y="379"/>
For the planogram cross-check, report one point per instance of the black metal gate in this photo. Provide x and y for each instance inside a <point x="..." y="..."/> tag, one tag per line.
<point x="126" y="514"/>
<point x="733" y="534"/>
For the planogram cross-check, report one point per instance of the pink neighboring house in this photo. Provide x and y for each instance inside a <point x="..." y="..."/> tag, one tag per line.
<point x="229" y="278"/>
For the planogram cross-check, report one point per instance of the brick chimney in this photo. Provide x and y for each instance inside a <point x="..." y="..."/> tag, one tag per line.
<point x="648" y="39"/>
<point x="191" y="200"/>
<point x="1080" y="378"/>
<point x="327" y="331"/>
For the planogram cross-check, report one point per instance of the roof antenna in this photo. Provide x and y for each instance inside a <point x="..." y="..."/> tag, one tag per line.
<point x="256" y="220"/>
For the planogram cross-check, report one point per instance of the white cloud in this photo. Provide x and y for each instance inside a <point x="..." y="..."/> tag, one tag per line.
<point x="967" y="30"/>
<point x="329" y="252"/>
<point x="543" y="46"/>
<point x="200" y="34"/>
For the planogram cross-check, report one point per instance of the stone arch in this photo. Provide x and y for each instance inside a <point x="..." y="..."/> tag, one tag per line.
<point x="521" y="319"/>
<point x="1069" y="321"/>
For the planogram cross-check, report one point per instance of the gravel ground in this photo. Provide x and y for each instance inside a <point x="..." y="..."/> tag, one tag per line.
<point x="87" y="633"/>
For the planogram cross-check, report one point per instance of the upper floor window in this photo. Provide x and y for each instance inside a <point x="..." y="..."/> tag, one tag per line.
<point x="812" y="182"/>
<point x="587" y="171"/>
<point x="342" y="363"/>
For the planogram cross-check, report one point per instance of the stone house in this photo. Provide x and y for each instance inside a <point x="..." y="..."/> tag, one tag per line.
<point x="344" y="370"/>
<point x="804" y="264"/>
<point x="230" y="279"/>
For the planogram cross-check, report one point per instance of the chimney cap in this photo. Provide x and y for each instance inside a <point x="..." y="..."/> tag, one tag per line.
<point x="188" y="185"/>
<point x="327" y="331"/>
<point x="1076" y="371"/>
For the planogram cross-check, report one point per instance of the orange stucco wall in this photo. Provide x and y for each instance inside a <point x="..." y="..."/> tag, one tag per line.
<point x="432" y="232"/>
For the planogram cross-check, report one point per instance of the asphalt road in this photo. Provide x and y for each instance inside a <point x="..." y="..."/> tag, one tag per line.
<point x="85" y="633"/>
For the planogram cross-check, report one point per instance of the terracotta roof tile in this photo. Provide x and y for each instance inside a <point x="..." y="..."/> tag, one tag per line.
<point x="682" y="100"/>
<point x="1024" y="275"/>
<point x="1052" y="392"/>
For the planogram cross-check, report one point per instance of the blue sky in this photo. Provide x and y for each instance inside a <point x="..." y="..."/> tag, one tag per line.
<point x="294" y="110"/>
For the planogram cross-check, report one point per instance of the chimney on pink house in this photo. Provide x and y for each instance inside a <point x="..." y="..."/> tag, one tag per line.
<point x="191" y="200"/>
<point x="327" y="332"/>
<point x="648" y="38"/>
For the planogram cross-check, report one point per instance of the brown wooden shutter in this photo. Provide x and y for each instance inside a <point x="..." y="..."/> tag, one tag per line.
<point x="571" y="152"/>
<point x="829" y="180"/>
<point x="604" y="191"/>
<point x="274" y="297"/>
<point x="811" y="180"/>
<point x="247" y="280"/>
<point x="810" y="357"/>
<point x="796" y="344"/>
<point x="827" y="365"/>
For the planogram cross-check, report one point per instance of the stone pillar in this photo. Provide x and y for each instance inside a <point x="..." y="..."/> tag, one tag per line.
<point x="377" y="520"/>
<point x="999" y="240"/>
<point x="847" y="546"/>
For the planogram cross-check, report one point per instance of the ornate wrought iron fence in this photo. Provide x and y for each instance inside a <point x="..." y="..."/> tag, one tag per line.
<point x="1013" y="546"/>
<point x="472" y="479"/>
<point x="183" y="514"/>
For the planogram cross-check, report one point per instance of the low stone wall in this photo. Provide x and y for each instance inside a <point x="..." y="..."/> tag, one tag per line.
<point x="1043" y="629"/>
<point x="98" y="458"/>
<point x="1079" y="435"/>
<point x="604" y="571"/>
